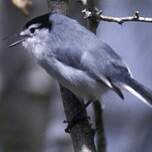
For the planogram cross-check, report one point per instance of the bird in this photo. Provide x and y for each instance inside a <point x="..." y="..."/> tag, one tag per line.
<point x="78" y="59"/>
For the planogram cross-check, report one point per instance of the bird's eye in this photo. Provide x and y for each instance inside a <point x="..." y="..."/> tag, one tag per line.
<point x="32" y="30"/>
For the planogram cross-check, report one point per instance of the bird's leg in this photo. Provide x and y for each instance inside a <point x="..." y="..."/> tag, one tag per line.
<point x="77" y="118"/>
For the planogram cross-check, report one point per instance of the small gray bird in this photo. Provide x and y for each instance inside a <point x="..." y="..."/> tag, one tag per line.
<point x="78" y="59"/>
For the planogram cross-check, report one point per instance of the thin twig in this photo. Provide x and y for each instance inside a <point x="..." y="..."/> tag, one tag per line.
<point x="98" y="14"/>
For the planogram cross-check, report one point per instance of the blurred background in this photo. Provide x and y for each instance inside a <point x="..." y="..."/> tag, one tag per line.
<point x="31" y="111"/>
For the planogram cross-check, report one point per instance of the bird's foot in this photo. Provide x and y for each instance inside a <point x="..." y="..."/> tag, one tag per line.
<point x="75" y="120"/>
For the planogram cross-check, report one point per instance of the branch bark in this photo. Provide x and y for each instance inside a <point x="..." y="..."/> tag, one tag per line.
<point x="101" y="141"/>
<point x="98" y="111"/>
<point x="82" y="134"/>
<point x="98" y="15"/>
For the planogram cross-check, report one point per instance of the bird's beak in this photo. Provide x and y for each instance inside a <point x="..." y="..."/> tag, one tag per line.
<point x="21" y="37"/>
<point x="16" y="42"/>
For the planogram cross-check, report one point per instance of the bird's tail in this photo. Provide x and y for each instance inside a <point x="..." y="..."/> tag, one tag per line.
<point x="137" y="89"/>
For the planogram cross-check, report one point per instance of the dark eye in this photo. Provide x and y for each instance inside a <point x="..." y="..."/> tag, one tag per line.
<point x="32" y="30"/>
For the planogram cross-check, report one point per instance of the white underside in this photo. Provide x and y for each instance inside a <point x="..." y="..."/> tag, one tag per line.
<point x="78" y="81"/>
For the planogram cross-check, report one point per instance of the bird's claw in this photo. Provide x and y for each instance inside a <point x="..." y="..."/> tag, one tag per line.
<point x="74" y="122"/>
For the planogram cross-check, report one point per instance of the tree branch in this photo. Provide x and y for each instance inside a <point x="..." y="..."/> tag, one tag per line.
<point x="98" y="15"/>
<point x="101" y="141"/>
<point x="98" y="111"/>
<point x="82" y="134"/>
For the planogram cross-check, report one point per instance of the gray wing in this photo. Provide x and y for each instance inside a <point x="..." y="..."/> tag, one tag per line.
<point x="100" y="62"/>
<point x="106" y="61"/>
<point x="102" y="67"/>
<point x="82" y="49"/>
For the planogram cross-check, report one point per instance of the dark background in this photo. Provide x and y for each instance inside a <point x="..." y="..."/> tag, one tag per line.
<point x="31" y="111"/>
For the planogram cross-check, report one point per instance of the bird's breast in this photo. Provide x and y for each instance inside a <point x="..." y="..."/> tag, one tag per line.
<point x="78" y="81"/>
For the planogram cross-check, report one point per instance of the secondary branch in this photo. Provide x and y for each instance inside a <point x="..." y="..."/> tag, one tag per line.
<point x="98" y="14"/>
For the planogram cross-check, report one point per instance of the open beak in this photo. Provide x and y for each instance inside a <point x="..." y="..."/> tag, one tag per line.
<point x="19" y="39"/>
<point x="16" y="42"/>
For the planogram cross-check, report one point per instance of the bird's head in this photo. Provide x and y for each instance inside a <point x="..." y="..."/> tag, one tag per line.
<point x="34" y="31"/>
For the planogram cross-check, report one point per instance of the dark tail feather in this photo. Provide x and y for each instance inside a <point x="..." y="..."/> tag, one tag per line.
<point x="139" y="90"/>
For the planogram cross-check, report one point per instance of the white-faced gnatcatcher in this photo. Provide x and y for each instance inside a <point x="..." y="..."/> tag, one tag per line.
<point x="78" y="59"/>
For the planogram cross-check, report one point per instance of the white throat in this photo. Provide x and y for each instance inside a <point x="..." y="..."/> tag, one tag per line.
<point x="36" y="43"/>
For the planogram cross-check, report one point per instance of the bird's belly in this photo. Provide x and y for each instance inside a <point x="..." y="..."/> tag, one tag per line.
<point x="78" y="81"/>
<point x="84" y="86"/>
